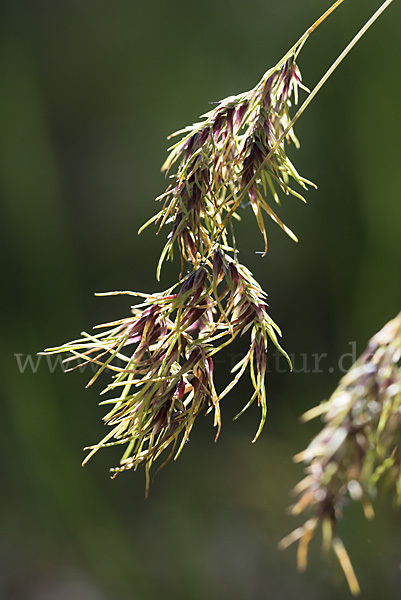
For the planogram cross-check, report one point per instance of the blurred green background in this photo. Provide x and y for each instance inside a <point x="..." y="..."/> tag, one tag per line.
<point x="89" y="90"/>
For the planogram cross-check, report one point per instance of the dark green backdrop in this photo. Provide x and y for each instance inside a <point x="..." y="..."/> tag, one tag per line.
<point x="89" y="90"/>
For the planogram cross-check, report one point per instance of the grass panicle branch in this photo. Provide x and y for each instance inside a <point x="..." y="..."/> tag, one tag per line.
<point x="358" y="449"/>
<point x="161" y="358"/>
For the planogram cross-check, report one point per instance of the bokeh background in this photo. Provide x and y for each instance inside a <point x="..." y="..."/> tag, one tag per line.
<point x="89" y="91"/>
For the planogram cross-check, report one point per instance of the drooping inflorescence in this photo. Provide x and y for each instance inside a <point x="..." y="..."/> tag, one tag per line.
<point x="161" y="357"/>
